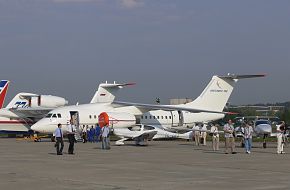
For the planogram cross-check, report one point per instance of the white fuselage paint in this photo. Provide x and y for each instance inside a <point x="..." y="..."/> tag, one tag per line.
<point x="88" y="115"/>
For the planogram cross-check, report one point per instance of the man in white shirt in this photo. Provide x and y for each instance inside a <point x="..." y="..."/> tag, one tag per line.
<point x="71" y="136"/>
<point x="280" y="138"/>
<point x="196" y="133"/>
<point x="215" y="137"/>
<point x="248" y="135"/>
<point x="229" y="137"/>
<point x="105" y="131"/>
<point x="59" y="139"/>
<point x="203" y="133"/>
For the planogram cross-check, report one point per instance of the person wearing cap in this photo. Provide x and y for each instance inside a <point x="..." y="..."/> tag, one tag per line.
<point x="59" y="139"/>
<point x="229" y="137"/>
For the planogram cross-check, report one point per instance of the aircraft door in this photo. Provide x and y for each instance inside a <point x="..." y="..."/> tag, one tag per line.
<point x="74" y="116"/>
<point x="180" y="118"/>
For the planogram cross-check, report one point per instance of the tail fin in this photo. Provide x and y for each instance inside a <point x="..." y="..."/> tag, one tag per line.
<point x="106" y="92"/>
<point x="216" y="94"/>
<point x="20" y="100"/>
<point x="3" y="90"/>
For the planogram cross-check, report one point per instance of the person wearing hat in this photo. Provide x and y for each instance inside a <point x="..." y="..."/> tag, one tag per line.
<point x="229" y="137"/>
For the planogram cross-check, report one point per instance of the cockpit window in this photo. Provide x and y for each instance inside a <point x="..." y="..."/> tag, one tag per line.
<point x="59" y="115"/>
<point x="49" y="115"/>
<point x="54" y="116"/>
<point x="262" y="122"/>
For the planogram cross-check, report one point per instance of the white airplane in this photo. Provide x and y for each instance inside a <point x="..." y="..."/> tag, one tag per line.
<point x="262" y="128"/>
<point x="142" y="133"/>
<point x="207" y="107"/>
<point x="24" y="110"/>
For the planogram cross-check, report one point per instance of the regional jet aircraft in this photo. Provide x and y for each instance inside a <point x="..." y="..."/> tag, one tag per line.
<point x="207" y="107"/>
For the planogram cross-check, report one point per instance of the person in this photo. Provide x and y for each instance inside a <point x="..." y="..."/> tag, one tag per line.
<point x="84" y="134"/>
<point x="196" y="132"/>
<point x="215" y="137"/>
<point x="105" y="137"/>
<point x="203" y="134"/>
<point x="280" y="138"/>
<point x="59" y="139"/>
<point x="98" y="132"/>
<point x="229" y="137"/>
<point x="248" y="135"/>
<point x="71" y="136"/>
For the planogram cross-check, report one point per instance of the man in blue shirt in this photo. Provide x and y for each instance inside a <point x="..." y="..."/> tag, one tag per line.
<point x="59" y="139"/>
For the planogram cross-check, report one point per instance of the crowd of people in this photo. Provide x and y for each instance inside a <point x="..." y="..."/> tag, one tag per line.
<point x="228" y="131"/>
<point x="96" y="134"/>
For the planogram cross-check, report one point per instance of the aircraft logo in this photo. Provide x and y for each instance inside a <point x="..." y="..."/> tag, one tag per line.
<point x="3" y="90"/>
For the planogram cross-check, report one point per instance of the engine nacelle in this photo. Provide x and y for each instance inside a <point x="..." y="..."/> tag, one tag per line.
<point x="117" y="119"/>
<point x="47" y="101"/>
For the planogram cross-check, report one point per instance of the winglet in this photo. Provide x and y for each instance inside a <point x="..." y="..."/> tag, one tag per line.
<point x="3" y="90"/>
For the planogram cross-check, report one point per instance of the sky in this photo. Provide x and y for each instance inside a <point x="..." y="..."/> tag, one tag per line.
<point x="169" y="48"/>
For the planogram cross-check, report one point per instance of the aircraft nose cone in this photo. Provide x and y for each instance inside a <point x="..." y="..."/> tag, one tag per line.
<point x="266" y="129"/>
<point x="34" y="127"/>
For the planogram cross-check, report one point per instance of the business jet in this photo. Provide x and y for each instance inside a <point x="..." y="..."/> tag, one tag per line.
<point x="207" y="107"/>
<point x="142" y="133"/>
<point x="24" y="110"/>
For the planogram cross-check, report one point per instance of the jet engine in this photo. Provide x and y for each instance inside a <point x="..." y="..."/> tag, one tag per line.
<point x="47" y="101"/>
<point x="117" y="119"/>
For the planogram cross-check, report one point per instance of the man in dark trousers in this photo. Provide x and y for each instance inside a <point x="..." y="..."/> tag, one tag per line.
<point x="71" y="137"/>
<point x="59" y="139"/>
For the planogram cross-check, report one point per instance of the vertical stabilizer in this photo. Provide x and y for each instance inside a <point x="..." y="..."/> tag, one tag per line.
<point x="217" y="93"/>
<point x="3" y="90"/>
<point x="107" y="92"/>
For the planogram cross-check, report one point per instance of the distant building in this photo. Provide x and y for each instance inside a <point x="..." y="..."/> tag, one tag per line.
<point x="176" y="101"/>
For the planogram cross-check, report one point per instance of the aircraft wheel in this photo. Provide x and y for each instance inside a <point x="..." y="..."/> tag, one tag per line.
<point x="264" y="145"/>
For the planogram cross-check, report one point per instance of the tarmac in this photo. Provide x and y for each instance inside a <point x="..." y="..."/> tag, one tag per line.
<point x="27" y="165"/>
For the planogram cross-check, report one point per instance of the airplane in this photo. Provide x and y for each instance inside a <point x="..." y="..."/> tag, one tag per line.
<point x="262" y="128"/>
<point x="142" y="133"/>
<point x="24" y="110"/>
<point x="207" y="107"/>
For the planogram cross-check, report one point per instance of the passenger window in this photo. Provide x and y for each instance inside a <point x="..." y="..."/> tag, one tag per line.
<point x="145" y="117"/>
<point x="154" y="117"/>
<point x="59" y="115"/>
<point x="95" y="116"/>
<point x="54" y="116"/>
<point x="157" y="117"/>
<point x="169" y="117"/>
<point x="150" y="117"/>
<point x="165" y="117"/>
<point x="90" y="116"/>
<point x="161" y="117"/>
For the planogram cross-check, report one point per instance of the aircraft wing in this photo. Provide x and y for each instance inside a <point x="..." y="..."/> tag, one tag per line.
<point x="149" y="133"/>
<point x="149" y="107"/>
<point x="38" y="112"/>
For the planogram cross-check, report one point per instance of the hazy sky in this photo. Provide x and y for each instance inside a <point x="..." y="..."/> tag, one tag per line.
<point x="170" y="48"/>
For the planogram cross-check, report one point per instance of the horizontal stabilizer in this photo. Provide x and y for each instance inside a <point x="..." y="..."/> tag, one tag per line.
<point x="107" y="92"/>
<point x="233" y="76"/>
